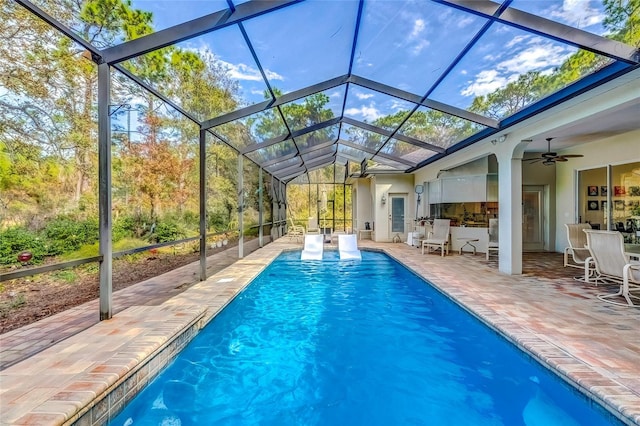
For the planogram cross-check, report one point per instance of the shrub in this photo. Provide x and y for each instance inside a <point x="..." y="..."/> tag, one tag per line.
<point x="217" y="221"/>
<point x="85" y="250"/>
<point x="16" y="240"/>
<point x="167" y="231"/>
<point x="65" y="234"/>
<point x="191" y="219"/>
<point x="134" y="226"/>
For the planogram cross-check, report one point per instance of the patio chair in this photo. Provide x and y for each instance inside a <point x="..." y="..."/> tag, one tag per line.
<point x="493" y="237"/>
<point x="438" y="238"/>
<point x="579" y="252"/>
<point x="312" y="226"/>
<point x="313" y="247"/>
<point x="348" y="247"/>
<point x="577" y="245"/>
<point x="613" y="264"/>
<point x="295" y="231"/>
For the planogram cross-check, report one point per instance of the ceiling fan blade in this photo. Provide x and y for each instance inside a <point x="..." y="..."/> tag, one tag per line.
<point x="533" y="160"/>
<point x="572" y="156"/>
<point x="561" y="159"/>
<point x="550" y="154"/>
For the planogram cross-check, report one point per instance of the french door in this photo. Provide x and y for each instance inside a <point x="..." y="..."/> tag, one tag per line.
<point x="396" y="223"/>
<point x="532" y="218"/>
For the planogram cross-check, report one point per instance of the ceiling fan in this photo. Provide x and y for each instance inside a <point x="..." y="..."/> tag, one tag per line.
<point x="549" y="158"/>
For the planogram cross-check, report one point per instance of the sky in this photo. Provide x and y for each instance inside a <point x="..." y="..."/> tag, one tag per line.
<point x="407" y="44"/>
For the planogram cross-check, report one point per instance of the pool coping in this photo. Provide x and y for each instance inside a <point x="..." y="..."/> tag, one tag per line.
<point x="91" y="386"/>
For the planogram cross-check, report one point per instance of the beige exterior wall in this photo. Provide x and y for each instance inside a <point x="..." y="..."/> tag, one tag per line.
<point x="390" y="185"/>
<point x="363" y="198"/>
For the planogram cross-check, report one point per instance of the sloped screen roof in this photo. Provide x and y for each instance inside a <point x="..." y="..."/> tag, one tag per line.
<point x="395" y="84"/>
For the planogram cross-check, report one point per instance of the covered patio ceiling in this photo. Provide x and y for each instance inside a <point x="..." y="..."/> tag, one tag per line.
<point x="390" y="85"/>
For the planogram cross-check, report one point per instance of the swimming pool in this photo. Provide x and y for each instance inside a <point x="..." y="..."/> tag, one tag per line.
<point x="353" y="342"/>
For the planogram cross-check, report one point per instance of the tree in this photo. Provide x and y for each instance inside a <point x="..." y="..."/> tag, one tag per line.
<point x="50" y="94"/>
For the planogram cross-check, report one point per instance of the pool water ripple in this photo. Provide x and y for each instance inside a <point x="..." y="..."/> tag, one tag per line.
<point x="352" y="343"/>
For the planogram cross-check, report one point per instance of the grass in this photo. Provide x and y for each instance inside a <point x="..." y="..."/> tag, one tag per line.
<point x="66" y="275"/>
<point x="15" y="302"/>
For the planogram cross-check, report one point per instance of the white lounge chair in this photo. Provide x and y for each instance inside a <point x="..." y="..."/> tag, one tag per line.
<point x="493" y="238"/>
<point x="613" y="264"/>
<point x="295" y="231"/>
<point x="313" y="247"/>
<point x="438" y="237"/>
<point x="348" y="247"/>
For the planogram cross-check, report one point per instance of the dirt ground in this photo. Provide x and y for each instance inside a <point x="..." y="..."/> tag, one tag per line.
<point x="27" y="300"/>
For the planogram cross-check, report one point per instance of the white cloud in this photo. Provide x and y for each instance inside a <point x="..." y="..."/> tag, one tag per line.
<point x="486" y="81"/>
<point x="537" y="56"/>
<point x="516" y="40"/>
<point x="396" y="105"/>
<point x="416" y="41"/>
<point x="369" y="113"/>
<point x="418" y="27"/>
<point x="245" y="72"/>
<point x="577" y="13"/>
<point x="420" y="45"/>
<point x="363" y="96"/>
<point x="336" y="94"/>
<point x="464" y="23"/>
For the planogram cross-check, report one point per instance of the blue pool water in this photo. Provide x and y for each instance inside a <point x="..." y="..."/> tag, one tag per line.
<point x="353" y="343"/>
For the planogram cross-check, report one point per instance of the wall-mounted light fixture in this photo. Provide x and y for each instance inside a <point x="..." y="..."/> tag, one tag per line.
<point x="383" y="199"/>
<point x="419" y="190"/>
<point x="499" y="139"/>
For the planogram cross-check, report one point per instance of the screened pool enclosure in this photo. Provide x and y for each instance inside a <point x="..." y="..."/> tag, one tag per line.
<point x="283" y="97"/>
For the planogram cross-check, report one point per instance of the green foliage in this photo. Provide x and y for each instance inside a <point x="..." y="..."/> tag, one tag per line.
<point x="167" y="231"/>
<point x="86" y="250"/>
<point x="217" y="221"/>
<point x="65" y="234"/>
<point x="128" y="244"/>
<point x="16" y="240"/>
<point x="191" y="219"/>
<point x="251" y="232"/>
<point x="66" y="275"/>
<point x="622" y="18"/>
<point x="131" y="226"/>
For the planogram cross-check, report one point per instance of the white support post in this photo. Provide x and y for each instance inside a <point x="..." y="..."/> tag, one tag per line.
<point x="510" y="207"/>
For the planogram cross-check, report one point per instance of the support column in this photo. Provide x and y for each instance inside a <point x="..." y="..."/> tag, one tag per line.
<point x="260" y="209"/>
<point x="510" y="207"/>
<point x="203" y="205"/>
<point x="104" y="191"/>
<point x="240" y="186"/>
